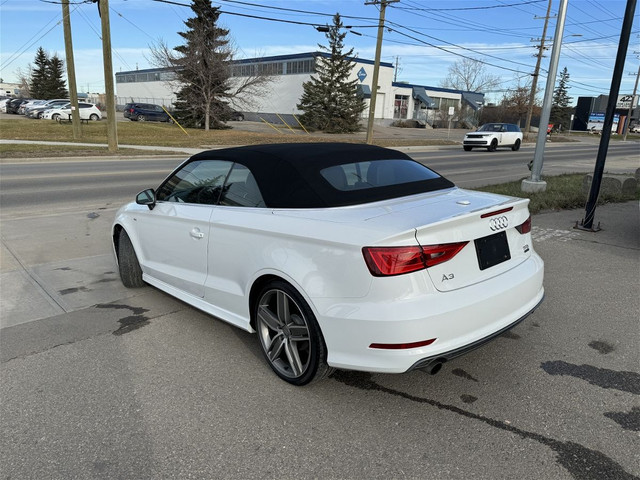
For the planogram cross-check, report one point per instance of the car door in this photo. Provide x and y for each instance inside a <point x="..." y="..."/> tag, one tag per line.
<point x="175" y="233"/>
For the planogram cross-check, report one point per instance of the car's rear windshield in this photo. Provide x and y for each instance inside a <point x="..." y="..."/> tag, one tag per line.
<point x="375" y="174"/>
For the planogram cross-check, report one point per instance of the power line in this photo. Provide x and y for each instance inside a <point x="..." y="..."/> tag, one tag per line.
<point x="487" y="7"/>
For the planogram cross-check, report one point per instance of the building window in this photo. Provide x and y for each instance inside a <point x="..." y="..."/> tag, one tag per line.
<point x="300" y="66"/>
<point x="401" y="106"/>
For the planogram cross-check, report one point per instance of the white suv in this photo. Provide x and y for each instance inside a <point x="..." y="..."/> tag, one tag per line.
<point x="492" y="136"/>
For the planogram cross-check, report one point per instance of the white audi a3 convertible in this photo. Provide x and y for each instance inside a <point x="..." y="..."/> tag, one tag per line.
<point x="338" y="255"/>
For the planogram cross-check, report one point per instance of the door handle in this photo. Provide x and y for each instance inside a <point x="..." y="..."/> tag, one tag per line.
<point x="196" y="233"/>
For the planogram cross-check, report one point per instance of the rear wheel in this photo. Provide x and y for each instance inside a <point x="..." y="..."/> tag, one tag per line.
<point x="467" y="148"/>
<point x="128" y="265"/>
<point x="141" y="118"/>
<point x="516" y="146"/>
<point x="39" y="115"/>
<point x="492" y="147"/>
<point x="55" y="117"/>
<point x="289" y="335"/>
<point x="94" y="117"/>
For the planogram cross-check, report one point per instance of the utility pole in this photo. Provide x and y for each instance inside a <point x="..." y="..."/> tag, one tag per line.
<point x="633" y="97"/>
<point x="71" y="71"/>
<point x="395" y="72"/>
<point x="534" y="183"/>
<point x="376" y="66"/>
<point x="536" y="72"/>
<point x="112" y="132"/>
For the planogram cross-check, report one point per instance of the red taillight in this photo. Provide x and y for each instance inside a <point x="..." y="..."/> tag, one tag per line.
<point x="388" y="261"/>
<point x="402" y="346"/>
<point x="435" y="254"/>
<point x="525" y="227"/>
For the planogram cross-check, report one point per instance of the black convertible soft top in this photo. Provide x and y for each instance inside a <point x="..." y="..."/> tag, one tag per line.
<point x="288" y="174"/>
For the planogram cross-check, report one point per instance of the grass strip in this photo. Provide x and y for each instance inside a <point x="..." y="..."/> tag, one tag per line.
<point x="563" y="192"/>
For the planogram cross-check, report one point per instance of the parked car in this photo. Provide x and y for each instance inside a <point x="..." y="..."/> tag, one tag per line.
<point x="635" y="128"/>
<point x="37" y="110"/>
<point x="88" y="111"/>
<point x="14" y="105"/>
<point x="143" y="112"/>
<point x="337" y="255"/>
<point x="3" y="104"/>
<point x="31" y="103"/>
<point x="237" y="116"/>
<point x="492" y="136"/>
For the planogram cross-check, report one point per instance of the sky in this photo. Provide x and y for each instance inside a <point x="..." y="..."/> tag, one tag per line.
<point x="424" y="37"/>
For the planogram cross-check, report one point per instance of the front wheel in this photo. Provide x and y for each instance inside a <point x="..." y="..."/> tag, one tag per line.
<point x="493" y="146"/>
<point x="128" y="265"/>
<point x="55" y="117"/>
<point x="467" y="148"/>
<point x="516" y="146"/>
<point x="289" y="335"/>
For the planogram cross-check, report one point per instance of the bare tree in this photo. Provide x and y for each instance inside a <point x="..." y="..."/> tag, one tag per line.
<point x="24" y="79"/>
<point x="515" y="102"/>
<point x="469" y="75"/>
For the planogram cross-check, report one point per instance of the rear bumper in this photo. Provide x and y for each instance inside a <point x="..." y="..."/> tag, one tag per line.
<point x="450" y="355"/>
<point x="406" y="310"/>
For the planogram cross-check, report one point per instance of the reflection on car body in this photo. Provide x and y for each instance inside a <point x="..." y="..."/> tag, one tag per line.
<point x="337" y="255"/>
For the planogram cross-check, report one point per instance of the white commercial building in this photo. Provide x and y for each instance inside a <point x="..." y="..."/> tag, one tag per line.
<point x="396" y="101"/>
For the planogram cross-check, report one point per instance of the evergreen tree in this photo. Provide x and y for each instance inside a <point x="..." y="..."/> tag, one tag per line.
<point x="38" y="80"/>
<point x="202" y="67"/>
<point x="329" y="100"/>
<point x="560" y="114"/>
<point x="56" y="85"/>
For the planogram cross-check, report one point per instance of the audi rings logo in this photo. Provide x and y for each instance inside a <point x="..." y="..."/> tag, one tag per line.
<point x="498" y="223"/>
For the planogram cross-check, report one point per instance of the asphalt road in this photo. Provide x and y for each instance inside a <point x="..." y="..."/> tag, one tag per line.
<point x="28" y="187"/>
<point x="99" y="381"/>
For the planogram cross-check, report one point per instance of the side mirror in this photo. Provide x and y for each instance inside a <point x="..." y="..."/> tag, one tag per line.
<point x="147" y="197"/>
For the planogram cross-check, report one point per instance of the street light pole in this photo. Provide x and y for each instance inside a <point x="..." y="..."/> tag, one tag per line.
<point x="534" y="183"/>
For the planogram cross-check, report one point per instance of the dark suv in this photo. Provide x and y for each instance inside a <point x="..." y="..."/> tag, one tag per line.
<point x="142" y="112"/>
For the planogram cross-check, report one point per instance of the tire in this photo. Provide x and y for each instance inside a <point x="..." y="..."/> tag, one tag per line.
<point x="94" y="117"/>
<point x="128" y="265"/>
<point x="240" y="118"/>
<point x="39" y="115"/>
<point x="141" y="118"/>
<point x="493" y="146"/>
<point x="516" y="146"/>
<point x="289" y="335"/>
<point x="467" y="148"/>
<point x="55" y="117"/>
